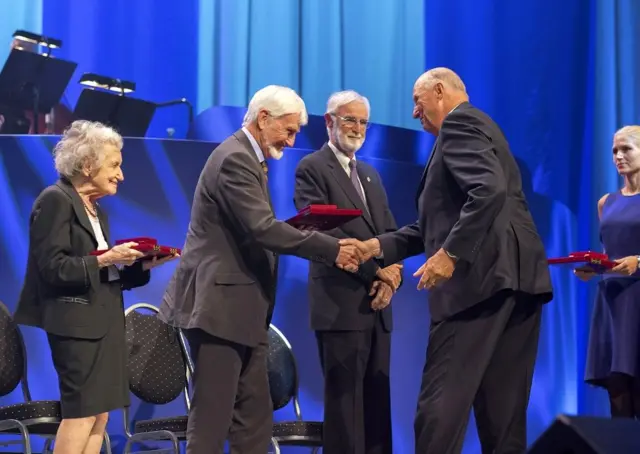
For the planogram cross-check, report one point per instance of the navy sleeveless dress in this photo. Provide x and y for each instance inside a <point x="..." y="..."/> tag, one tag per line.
<point x="614" y="339"/>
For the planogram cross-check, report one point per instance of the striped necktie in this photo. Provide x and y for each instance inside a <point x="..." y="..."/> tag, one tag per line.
<point x="355" y="181"/>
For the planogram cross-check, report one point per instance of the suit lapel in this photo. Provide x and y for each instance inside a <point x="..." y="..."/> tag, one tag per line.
<point x="246" y="144"/>
<point x="374" y="191"/>
<point x="105" y="226"/>
<point x="78" y="207"/>
<point x="426" y="169"/>
<point x="345" y="183"/>
<point x="433" y="152"/>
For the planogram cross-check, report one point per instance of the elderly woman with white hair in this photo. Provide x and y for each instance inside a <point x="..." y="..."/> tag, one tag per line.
<point x="76" y="297"/>
<point x="613" y="360"/>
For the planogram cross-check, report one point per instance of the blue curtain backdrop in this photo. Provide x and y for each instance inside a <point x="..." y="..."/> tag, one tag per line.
<point x="314" y="46"/>
<point x="559" y="77"/>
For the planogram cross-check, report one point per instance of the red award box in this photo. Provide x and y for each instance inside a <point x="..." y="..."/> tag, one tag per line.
<point x="322" y="217"/>
<point x="148" y="246"/>
<point x="595" y="262"/>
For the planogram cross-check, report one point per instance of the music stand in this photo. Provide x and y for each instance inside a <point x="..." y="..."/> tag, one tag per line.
<point x="129" y="116"/>
<point x="30" y="81"/>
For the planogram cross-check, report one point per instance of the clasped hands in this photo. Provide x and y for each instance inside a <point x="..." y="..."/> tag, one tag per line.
<point x="354" y="252"/>
<point x="387" y="282"/>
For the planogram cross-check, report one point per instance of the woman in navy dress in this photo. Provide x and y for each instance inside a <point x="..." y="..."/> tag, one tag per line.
<point x="613" y="359"/>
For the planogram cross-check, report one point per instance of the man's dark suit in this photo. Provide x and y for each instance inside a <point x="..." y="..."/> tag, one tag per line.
<point x="223" y="294"/>
<point x="485" y="320"/>
<point x="354" y="341"/>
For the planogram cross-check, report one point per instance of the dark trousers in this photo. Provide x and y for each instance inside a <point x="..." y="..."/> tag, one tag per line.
<point x="483" y="357"/>
<point x="357" y="398"/>
<point x="230" y="398"/>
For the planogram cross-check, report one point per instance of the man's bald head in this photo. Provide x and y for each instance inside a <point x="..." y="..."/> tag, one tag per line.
<point x="444" y="76"/>
<point x="436" y="93"/>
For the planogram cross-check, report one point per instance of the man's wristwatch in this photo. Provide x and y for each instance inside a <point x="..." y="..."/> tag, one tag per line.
<point x="456" y="258"/>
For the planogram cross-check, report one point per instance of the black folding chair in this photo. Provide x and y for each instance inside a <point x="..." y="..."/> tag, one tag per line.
<point x="159" y="371"/>
<point x="283" y="384"/>
<point x="31" y="417"/>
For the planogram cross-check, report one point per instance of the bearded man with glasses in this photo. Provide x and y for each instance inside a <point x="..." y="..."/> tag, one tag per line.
<point x="351" y="313"/>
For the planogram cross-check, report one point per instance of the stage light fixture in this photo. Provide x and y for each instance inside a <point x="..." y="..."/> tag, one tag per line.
<point x="128" y="115"/>
<point x="121" y="87"/>
<point x="34" y="38"/>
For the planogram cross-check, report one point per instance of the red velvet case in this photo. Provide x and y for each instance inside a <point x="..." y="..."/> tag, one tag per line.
<point x="322" y="217"/>
<point x="148" y="246"/>
<point x="586" y="261"/>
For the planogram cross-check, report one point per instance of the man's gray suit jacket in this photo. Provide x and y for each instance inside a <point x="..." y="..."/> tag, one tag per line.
<point x="225" y="281"/>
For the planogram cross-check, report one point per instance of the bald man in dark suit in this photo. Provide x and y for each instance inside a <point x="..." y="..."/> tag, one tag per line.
<point x="487" y="274"/>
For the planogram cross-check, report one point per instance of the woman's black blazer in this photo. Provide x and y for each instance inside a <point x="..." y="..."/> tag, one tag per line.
<point x="64" y="292"/>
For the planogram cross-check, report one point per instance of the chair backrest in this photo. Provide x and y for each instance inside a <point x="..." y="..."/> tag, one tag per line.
<point x="12" y="354"/>
<point x="283" y="372"/>
<point x="157" y="362"/>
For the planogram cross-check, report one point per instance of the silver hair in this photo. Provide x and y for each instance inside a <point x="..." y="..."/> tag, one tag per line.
<point x="630" y="133"/>
<point x="444" y="75"/>
<point x="342" y="98"/>
<point x="83" y="144"/>
<point x="278" y="101"/>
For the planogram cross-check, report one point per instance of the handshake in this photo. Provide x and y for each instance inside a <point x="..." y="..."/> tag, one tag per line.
<point x="353" y="253"/>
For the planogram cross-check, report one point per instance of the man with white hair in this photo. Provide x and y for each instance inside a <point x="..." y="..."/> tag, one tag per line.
<point x="350" y="313"/>
<point x="222" y="293"/>
<point x="487" y="273"/>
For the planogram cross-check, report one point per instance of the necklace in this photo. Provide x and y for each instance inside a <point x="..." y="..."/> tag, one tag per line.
<point x="91" y="210"/>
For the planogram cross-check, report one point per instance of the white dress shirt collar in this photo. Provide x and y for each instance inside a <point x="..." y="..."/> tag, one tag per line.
<point x="254" y="144"/>
<point x="457" y="105"/>
<point x="343" y="159"/>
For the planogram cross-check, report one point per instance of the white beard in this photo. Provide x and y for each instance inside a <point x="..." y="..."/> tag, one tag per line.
<point x="275" y="153"/>
<point x="348" y="144"/>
